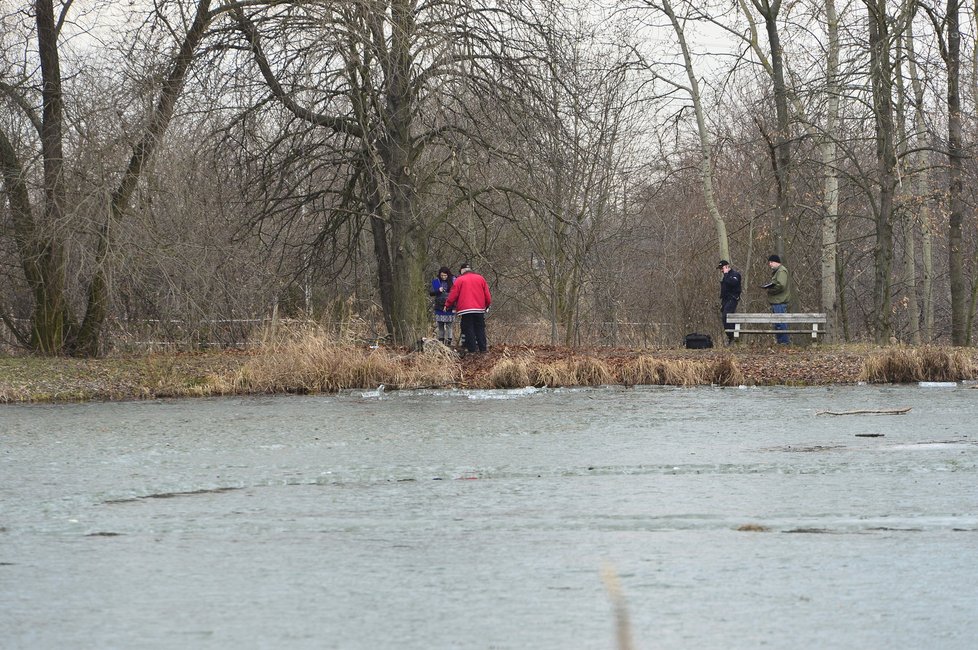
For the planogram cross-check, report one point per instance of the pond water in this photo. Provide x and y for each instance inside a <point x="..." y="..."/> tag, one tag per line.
<point x="453" y="519"/>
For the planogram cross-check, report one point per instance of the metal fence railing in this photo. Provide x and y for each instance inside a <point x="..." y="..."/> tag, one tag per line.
<point x="148" y="335"/>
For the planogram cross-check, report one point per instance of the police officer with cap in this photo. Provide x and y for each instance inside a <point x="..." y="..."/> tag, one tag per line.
<point x="730" y="287"/>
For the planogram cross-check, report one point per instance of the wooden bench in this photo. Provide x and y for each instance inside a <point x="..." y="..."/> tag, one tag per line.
<point x="763" y="323"/>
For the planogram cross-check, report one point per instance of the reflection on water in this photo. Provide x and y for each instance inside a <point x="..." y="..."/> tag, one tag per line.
<point x="452" y="519"/>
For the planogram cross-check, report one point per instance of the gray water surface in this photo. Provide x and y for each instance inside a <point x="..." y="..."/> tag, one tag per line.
<point x="452" y="519"/>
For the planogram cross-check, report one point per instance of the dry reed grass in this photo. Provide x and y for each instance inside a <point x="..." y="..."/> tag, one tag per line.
<point x="525" y="371"/>
<point x="901" y="365"/>
<point x="309" y="360"/>
<point x="940" y="364"/>
<point x="684" y="372"/>
<point x="590" y="371"/>
<point x="724" y="371"/>
<point x="647" y="370"/>
<point x="513" y="372"/>
<point x="554" y="374"/>
<point x="434" y="365"/>
<point x="312" y="360"/>
<point x="644" y="370"/>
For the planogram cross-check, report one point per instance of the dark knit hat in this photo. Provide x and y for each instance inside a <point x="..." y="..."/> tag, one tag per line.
<point x="774" y="258"/>
<point x="465" y="267"/>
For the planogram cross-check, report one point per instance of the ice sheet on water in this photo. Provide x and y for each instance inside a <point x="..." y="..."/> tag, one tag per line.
<point x="510" y="393"/>
<point x="378" y="392"/>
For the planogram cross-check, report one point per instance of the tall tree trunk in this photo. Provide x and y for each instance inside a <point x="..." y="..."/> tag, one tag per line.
<point x="409" y="236"/>
<point x="908" y="284"/>
<point x="408" y="243"/>
<point x="382" y="256"/>
<point x="555" y="259"/>
<point x="955" y="153"/>
<point x="922" y="189"/>
<point x="927" y="281"/>
<point x="51" y="318"/>
<point x="830" y="192"/>
<point x="782" y="143"/>
<point x="881" y="72"/>
<point x="26" y="238"/>
<point x="909" y="221"/>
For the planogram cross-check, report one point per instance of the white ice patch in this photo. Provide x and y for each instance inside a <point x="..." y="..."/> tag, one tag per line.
<point x="511" y="393"/>
<point x="378" y="392"/>
<point x="938" y="384"/>
<point x="934" y="444"/>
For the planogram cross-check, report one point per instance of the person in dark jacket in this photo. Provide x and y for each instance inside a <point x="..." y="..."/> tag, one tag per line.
<point x="730" y="285"/>
<point x="470" y="299"/>
<point x="441" y="285"/>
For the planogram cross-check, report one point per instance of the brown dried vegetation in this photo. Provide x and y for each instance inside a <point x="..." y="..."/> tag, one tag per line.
<point x="900" y="365"/>
<point x="315" y="361"/>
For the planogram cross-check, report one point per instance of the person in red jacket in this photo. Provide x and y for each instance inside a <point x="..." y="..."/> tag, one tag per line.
<point x="470" y="299"/>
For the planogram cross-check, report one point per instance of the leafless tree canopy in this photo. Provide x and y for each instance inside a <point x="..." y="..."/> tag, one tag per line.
<point x="180" y="171"/>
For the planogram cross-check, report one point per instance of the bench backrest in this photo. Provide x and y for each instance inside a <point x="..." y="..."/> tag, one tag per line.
<point x="776" y="318"/>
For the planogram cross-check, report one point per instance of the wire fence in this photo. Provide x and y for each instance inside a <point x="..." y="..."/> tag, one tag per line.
<point x="151" y="335"/>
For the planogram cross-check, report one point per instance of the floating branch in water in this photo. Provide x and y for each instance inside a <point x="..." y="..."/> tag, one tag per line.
<point x="900" y="411"/>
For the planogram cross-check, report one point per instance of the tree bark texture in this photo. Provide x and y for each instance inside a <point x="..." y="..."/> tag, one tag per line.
<point x="881" y="72"/>
<point x="830" y="192"/>
<point x="955" y="154"/>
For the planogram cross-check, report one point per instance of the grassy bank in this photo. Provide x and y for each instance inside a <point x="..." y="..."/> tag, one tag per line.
<point x="312" y="362"/>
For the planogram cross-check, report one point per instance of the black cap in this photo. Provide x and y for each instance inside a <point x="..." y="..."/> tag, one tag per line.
<point x="774" y="258"/>
<point x="722" y="264"/>
<point x="465" y="265"/>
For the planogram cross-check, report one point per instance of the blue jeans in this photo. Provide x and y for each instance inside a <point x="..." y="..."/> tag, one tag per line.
<point x="781" y="308"/>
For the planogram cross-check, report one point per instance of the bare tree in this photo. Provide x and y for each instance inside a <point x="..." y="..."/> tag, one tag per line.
<point x="577" y="135"/>
<point x="380" y="76"/>
<point x="884" y="31"/>
<point x="830" y="193"/>
<point x="39" y="232"/>
<point x="949" y="35"/>
<point x="692" y="88"/>
<point x="781" y="160"/>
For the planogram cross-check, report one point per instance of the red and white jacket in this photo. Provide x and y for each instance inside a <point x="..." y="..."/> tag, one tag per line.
<point x="469" y="294"/>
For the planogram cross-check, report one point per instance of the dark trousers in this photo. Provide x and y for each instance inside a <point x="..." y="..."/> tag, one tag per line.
<point x="474" y="331"/>
<point x="728" y="306"/>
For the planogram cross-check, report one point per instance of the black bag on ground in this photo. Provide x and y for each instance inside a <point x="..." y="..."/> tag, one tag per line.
<point x="698" y="341"/>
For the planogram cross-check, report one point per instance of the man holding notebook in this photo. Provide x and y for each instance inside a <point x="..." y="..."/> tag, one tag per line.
<point x="779" y="294"/>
